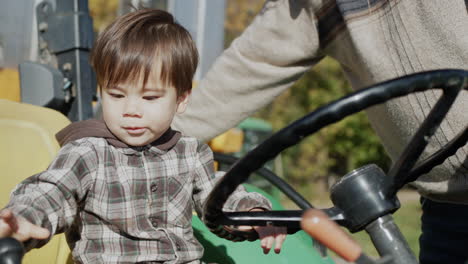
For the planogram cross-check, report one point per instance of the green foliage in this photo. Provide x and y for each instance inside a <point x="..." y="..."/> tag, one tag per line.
<point x="333" y="151"/>
<point x="239" y="14"/>
<point x="103" y="13"/>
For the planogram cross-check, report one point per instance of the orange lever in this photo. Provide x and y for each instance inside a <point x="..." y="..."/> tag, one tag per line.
<point x="319" y="226"/>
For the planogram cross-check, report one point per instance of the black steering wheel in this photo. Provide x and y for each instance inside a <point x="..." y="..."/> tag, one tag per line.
<point x="403" y="171"/>
<point x="450" y="81"/>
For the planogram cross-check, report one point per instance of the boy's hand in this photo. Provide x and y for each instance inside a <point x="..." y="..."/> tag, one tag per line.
<point x="19" y="228"/>
<point x="268" y="235"/>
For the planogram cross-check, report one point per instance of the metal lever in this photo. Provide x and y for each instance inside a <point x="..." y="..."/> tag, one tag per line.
<point x="317" y="224"/>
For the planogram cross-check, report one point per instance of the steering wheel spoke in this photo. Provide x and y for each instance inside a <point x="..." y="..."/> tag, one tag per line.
<point x="438" y="157"/>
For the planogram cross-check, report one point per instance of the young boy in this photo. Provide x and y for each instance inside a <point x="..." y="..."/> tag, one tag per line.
<point x="123" y="189"/>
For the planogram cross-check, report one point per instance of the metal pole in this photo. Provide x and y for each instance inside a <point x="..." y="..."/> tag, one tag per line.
<point x="389" y="241"/>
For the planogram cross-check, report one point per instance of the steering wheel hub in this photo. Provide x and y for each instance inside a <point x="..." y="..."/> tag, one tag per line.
<point x="368" y="186"/>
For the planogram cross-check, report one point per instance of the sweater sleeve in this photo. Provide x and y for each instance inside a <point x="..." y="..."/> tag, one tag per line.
<point x="205" y="179"/>
<point x="272" y="53"/>
<point x="50" y="199"/>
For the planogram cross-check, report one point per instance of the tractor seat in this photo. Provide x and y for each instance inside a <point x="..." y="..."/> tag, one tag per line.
<point x="28" y="145"/>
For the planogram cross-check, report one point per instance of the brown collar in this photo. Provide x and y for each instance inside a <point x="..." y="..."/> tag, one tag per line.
<point x="97" y="128"/>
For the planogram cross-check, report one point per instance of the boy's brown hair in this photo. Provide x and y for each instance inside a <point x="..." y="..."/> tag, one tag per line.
<point x="134" y="42"/>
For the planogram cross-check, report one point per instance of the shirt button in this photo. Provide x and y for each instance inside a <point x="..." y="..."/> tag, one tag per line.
<point x="153" y="187"/>
<point x="154" y="222"/>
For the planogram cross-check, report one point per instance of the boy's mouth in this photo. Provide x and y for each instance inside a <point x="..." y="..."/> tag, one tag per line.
<point x="135" y="130"/>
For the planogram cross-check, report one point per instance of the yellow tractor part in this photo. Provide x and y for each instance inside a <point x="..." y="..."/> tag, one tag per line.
<point x="9" y="84"/>
<point x="229" y="142"/>
<point x="28" y="145"/>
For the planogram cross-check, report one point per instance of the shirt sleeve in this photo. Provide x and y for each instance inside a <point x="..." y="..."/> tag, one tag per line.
<point x="50" y="199"/>
<point x="272" y="53"/>
<point x="205" y="179"/>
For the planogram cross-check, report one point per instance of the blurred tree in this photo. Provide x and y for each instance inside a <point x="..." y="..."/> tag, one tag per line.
<point x="103" y="13"/>
<point x="239" y="14"/>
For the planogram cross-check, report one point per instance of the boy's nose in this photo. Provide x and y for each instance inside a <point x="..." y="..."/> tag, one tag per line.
<point x="131" y="109"/>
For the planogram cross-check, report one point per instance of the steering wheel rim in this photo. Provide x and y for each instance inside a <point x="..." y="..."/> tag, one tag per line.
<point x="451" y="81"/>
<point x="272" y="178"/>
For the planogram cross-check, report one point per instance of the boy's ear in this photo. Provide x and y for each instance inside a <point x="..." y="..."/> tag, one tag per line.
<point x="182" y="102"/>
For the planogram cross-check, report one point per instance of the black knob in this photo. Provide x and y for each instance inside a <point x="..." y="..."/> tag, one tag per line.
<point x="11" y="251"/>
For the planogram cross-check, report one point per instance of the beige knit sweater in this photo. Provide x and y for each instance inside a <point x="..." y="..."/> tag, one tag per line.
<point x="373" y="40"/>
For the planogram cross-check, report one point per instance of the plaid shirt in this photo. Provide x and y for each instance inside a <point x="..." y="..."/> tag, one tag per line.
<point x="125" y="205"/>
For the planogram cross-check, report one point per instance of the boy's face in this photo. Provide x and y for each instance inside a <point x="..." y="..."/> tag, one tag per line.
<point x="138" y="114"/>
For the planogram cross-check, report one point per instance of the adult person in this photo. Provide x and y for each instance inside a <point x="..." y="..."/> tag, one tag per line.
<point x="374" y="41"/>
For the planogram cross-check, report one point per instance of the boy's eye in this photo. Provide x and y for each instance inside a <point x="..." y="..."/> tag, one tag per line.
<point x="150" y="98"/>
<point x="114" y="95"/>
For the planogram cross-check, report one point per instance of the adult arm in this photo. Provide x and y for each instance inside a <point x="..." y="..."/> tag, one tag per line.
<point x="274" y="51"/>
